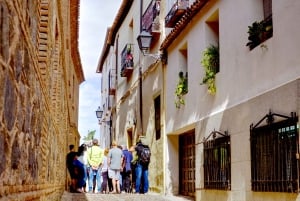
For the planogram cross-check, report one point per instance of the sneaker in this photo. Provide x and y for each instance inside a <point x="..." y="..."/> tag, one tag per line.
<point x="79" y="190"/>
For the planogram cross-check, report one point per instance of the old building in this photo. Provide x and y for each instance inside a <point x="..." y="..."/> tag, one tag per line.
<point x="132" y="83"/>
<point x="40" y="76"/>
<point x="216" y="96"/>
<point x="233" y="132"/>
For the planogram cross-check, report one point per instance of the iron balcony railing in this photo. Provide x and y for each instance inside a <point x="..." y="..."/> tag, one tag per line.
<point x="150" y="19"/>
<point x="127" y="60"/>
<point x="176" y="12"/>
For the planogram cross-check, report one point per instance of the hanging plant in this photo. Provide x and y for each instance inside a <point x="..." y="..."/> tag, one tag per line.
<point x="210" y="63"/>
<point x="181" y="89"/>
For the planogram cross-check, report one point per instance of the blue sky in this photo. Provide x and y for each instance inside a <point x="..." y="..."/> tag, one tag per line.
<point x="95" y="17"/>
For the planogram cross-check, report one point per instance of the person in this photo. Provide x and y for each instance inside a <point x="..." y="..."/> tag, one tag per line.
<point x="95" y="157"/>
<point x="69" y="163"/>
<point x="79" y="172"/>
<point x="82" y="157"/>
<point x="126" y="172"/>
<point x="114" y="161"/>
<point x="133" y="166"/>
<point x="122" y="162"/>
<point x="104" y="172"/>
<point x="141" y="170"/>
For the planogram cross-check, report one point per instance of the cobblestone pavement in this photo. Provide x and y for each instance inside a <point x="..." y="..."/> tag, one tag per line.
<point x="120" y="197"/>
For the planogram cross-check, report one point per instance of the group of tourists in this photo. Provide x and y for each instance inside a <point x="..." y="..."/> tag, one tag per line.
<point x="111" y="170"/>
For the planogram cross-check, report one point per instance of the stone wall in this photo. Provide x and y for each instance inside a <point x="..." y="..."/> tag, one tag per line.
<point x="35" y="120"/>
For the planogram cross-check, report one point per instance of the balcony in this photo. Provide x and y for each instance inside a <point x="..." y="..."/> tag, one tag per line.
<point x="127" y="60"/>
<point x="150" y="19"/>
<point x="176" y="12"/>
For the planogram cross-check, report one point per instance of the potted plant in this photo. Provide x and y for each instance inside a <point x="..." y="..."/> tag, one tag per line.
<point x="259" y="32"/>
<point x="210" y="63"/>
<point x="181" y="89"/>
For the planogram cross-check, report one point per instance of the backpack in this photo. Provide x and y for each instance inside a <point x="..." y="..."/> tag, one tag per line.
<point x="145" y="155"/>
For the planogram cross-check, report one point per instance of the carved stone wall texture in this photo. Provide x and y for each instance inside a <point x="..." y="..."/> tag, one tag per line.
<point x="37" y="115"/>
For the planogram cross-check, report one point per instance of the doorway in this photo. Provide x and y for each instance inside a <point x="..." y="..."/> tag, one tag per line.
<point x="187" y="168"/>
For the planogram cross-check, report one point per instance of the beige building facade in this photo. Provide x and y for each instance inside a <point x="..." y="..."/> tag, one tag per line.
<point x="239" y="139"/>
<point x="132" y="84"/>
<point x="227" y="128"/>
<point x="40" y="77"/>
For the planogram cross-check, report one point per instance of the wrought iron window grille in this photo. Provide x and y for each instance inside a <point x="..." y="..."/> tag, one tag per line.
<point x="217" y="161"/>
<point x="275" y="153"/>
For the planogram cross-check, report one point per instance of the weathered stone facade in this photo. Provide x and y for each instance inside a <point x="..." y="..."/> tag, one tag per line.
<point x="40" y="73"/>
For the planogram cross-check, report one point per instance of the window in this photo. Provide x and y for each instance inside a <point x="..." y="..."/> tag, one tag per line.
<point x="127" y="60"/>
<point x="150" y="18"/>
<point x="274" y="164"/>
<point x="217" y="168"/>
<point x="268" y="22"/>
<point x="183" y="64"/>
<point x="112" y="81"/>
<point x="261" y="31"/>
<point x="267" y="4"/>
<point x="212" y="37"/>
<point x="157" y="117"/>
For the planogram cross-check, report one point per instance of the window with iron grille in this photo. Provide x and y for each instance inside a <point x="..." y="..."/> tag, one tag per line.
<point x="217" y="165"/>
<point x="275" y="155"/>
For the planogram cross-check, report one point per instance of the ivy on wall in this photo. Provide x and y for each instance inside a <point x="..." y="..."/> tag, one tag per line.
<point x="181" y="89"/>
<point x="210" y="63"/>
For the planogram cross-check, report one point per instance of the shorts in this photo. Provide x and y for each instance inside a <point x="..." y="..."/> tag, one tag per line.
<point x="114" y="174"/>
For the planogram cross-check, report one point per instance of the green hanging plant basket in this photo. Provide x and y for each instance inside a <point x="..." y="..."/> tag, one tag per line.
<point x="210" y="63"/>
<point x="181" y="89"/>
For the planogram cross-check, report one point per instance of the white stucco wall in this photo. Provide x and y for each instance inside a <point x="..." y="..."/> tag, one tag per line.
<point x="241" y="70"/>
<point x="249" y="84"/>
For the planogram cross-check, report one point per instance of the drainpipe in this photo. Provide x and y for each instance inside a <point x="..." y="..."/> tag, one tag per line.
<point x="141" y="74"/>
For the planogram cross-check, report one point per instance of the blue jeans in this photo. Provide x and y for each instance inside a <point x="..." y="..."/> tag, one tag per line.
<point x="85" y="173"/>
<point x="92" y="173"/>
<point x="141" y="178"/>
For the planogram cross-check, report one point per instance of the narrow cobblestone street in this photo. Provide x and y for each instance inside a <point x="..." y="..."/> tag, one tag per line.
<point x="120" y="197"/>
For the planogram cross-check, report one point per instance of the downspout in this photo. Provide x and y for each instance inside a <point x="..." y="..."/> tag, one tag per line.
<point x="141" y="74"/>
<point x="110" y="105"/>
<point x="116" y="84"/>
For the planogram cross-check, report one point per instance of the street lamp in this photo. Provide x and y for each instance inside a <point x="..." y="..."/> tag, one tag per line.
<point x="99" y="113"/>
<point x="144" y="40"/>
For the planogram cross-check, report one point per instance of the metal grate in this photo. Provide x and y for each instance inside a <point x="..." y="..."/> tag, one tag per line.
<point x="127" y="60"/>
<point x="217" y="167"/>
<point x="275" y="155"/>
